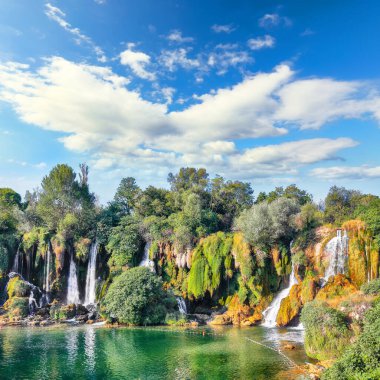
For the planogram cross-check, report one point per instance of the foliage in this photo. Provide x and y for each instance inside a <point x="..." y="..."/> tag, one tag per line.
<point x="126" y="195"/>
<point x="136" y="297"/>
<point x="302" y="197"/>
<point x="125" y="243"/>
<point x="17" y="288"/>
<point x="64" y="203"/>
<point x="340" y="204"/>
<point x="372" y="287"/>
<point x="209" y="264"/>
<point x="265" y="224"/>
<point x="17" y="306"/>
<point x="9" y="197"/>
<point x="326" y="330"/>
<point x="369" y="212"/>
<point x="361" y="361"/>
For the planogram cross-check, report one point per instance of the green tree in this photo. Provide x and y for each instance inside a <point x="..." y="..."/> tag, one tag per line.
<point x="125" y="243"/>
<point x="136" y="297"/>
<point x="189" y="178"/>
<point x="126" y="195"/>
<point x="9" y="197"/>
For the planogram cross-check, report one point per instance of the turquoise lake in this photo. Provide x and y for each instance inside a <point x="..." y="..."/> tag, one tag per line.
<point x="87" y="352"/>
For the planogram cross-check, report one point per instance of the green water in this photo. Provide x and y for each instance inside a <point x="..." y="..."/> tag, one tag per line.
<point x="88" y="352"/>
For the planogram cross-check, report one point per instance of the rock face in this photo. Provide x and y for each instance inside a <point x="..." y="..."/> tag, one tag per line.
<point x="290" y="307"/>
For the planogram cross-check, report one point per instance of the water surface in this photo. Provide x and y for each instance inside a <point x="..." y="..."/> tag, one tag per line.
<point x="86" y="352"/>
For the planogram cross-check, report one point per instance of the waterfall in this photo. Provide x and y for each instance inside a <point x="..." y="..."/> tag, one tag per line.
<point x="270" y="313"/>
<point x="72" y="285"/>
<point x="16" y="263"/>
<point x="146" y="261"/>
<point x="91" y="275"/>
<point x="181" y="305"/>
<point x="337" y="249"/>
<point x="32" y="302"/>
<point x="46" y="286"/>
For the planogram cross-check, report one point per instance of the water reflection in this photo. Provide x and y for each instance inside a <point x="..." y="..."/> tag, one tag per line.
<point x="72" y="337"/>
<point x="89" y="347"/>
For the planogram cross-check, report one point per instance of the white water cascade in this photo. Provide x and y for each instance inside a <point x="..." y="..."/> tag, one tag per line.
<point x="270" y="313"/>
<point x="46" y="286"/>
<point x="72" y="286"/>
<point x="89" y="298"/>
<point x="32" y="302"/>
<point x="181" y="305"/>
<point x="146" y="261"/>
<point x="16" y="263"/>
<point x="337" y="249"/>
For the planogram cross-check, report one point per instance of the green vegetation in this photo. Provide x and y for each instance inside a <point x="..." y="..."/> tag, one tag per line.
<point x="361" y="360"/>
<point x="372" y="287"/>
<point x="136" y="297"/>
<point x="326" y="330"/>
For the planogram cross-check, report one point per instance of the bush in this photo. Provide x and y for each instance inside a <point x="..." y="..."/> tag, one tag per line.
<point x="17" y="288"/>
<point x="372" y="287"/>
<point x="361" y="361"/>
<point x="326" y="331"/>
<point x="17" y="306"/>
<point x="136" y="297"/>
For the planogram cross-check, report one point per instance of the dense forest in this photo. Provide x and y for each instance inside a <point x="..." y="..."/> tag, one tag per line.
<point x="202" y="250"/>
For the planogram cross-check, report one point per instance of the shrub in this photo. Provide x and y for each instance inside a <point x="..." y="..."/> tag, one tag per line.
<point x="17" y="306"/>
<point x="372" y="287"/>
<point x="361" y="361"/>
<point x="17" y="288"/>
<point x="136" y="297"/>
<point x="326" y="330"/>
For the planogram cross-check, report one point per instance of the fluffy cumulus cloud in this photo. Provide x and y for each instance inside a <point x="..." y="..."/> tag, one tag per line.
<point x="270" y="20"/>
<point x="56" y="14"/>
<point x="99" y="112"/>
<point x="178" y="58"/>
<point x="347" y="172"/>
<point x="258" y="43"/>
<point x="137" y="61"/>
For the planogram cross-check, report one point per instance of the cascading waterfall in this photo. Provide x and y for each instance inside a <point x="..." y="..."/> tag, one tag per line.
<point x="270" y="314"/>
<point x="46" y="286"/>
<point x="146" y="261"/>
<point x="337" y="249"/>
<point x="181" y="305"/>
<point x="91" y="275"/>
<point x="32" y="302"/>
<point x="72" y="285"/>
<point x="16" y="263"/>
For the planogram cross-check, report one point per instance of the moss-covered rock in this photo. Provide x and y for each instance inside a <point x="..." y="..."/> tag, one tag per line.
<point x="290" y="307"/>
<point x="61" y="312"/>
<point x="17" y="287"/>
<point x="17" y="306"/>
<point x="337" y="286"/>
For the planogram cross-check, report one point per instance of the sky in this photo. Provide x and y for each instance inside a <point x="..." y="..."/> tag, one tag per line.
<point x="268" y="92"/>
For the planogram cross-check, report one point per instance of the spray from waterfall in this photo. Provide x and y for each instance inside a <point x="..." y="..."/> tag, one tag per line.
<point x="270" y="314"/>
<point x="337" y="248"/>
<point x="91" y="275"/>
<point x="72" y="285"/>
<point x="146" y="261"/>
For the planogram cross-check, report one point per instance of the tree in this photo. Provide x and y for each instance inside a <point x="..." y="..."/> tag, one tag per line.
<point x="291" y="192"/>
<point x="136" y="297"/>
<point x="125" y="243"/>
<point x="369" y="212"/>
<point x="229" y="198"/>
<point x="9" y="197"/>
<point x="126" y="195"/>
<point x="61" y="195"/>
<point x="153" y="201"/>
<point x="340" y="204"/>
<point x="189" y="178"/>
<point x="267" y="223"/>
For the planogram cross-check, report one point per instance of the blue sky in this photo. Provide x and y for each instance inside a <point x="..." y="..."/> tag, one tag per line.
<point x="263" y="91"/>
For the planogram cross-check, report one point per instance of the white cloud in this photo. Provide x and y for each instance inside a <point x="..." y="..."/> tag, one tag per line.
<point x="273" y="19"/>
<point x="39" y="165"/>
<point x="258" y="43"/>
<point x="100" y="2"/>
<point x="173" y="59"/>
<point x="229" y="28"/>
<point x="57" y="15"/>
<point x="222" y="60"/>
<point x="137" y="61"/>
<point x="347" y="172"/>
<point x="96" y="112"/>
<point x="176" y="37"/>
